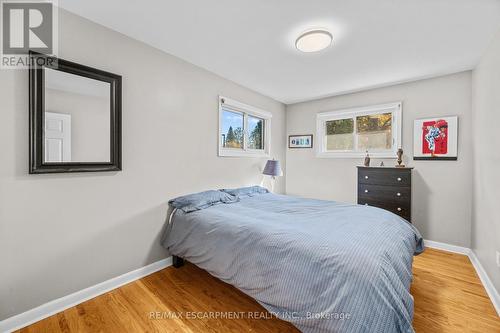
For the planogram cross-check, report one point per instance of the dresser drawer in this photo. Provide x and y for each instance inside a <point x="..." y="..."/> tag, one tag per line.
<point x="391" y="194"/>
<point x="388" y="188"/>
<point x="381" y="176"/>
<point x="403" y="210"/>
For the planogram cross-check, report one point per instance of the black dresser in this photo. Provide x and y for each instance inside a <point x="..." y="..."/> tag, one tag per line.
<point x="387" y="188"/>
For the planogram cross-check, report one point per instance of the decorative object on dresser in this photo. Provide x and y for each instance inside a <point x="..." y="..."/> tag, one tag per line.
<point x="435" y="139"/>
<point x="400" y="159"/>
<point x="387" y="188"/>
<point x="300" y="141"/>
<point x="367" y="159"/>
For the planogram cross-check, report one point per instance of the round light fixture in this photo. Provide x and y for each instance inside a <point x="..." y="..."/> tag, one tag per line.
<point x="314" y="40"/>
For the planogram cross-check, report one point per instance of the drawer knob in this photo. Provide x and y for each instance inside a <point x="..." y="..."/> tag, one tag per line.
<point x="366" y="177"/>
<point x="399" y="209"/>
<point x="366" y="191"/>
<point x="399" y="179"/>
<point x="398" y="194"/>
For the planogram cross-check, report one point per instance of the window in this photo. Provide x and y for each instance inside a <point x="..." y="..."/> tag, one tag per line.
<point x="232" y="129"/>
<point x="352" y="132"/>
<point x="243" y="129"/>
<point x="255" y="132"/>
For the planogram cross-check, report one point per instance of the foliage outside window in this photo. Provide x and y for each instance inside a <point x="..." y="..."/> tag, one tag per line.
<point x="243" y="129"/>
<point x="352" y="132"/>
<point x="339" y="134"/>
<point x="232" y="129"/>
<point x="256" y="133"/>
<point x="374" y="131"/>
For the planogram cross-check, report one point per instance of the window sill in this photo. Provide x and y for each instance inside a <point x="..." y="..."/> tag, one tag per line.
<point x="242" y="153"/>
<point x="355" y="155"/>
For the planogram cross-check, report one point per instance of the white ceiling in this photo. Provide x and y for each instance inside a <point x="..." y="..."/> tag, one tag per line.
<point x="251" y="42"/>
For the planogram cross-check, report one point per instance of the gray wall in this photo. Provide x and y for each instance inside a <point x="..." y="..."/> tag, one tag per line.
<point x="442" y="189"/>
<point x="62" y="233"/>
<point x="486" y="110"/>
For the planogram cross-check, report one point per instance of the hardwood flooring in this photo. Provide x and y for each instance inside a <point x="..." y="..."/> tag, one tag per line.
<point x="448" y="298"/>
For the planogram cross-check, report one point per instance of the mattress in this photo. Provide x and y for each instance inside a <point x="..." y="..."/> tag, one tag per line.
<point x="324" y="266"/>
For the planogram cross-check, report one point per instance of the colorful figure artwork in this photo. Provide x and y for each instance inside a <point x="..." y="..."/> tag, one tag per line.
<point x="435" y="139"/>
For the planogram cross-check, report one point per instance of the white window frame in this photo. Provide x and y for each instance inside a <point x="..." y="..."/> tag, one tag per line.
<point x="246" y="110"/>
<point x="321" y="119"/>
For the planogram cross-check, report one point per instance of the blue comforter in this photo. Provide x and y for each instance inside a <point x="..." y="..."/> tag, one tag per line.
<point x="321" y="265"/>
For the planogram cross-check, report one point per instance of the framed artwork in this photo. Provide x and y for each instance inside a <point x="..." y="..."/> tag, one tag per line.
<point x="435" y="139"/>
<point x="300" y="141"/>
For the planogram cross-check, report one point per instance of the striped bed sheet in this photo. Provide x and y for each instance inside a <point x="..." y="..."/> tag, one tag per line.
<point x="323" y="266"/>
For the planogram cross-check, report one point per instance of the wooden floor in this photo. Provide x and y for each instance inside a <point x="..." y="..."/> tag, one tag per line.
<point x="448" y="298"/>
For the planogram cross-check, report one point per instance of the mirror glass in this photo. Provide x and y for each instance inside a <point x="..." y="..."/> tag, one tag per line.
<point x="76" y="118"/>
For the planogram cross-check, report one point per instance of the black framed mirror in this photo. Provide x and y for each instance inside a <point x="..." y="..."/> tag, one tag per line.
<point x="75" y="117"/>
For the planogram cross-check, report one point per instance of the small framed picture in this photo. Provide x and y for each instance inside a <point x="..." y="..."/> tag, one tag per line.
<point x="300" y="141"/>
<point x="435" y="139"/>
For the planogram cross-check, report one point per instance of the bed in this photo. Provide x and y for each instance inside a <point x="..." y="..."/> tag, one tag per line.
<point x="323" y="266"/>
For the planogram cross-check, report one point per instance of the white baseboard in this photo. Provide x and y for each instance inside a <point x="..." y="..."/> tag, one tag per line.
<point x="48" y="309"/>
<point x="487" y="283"/>
<point x="483" y="276"/>
<point x="447" y="247"/>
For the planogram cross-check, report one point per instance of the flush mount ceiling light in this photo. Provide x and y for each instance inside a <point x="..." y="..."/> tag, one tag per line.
<point x="314" y="41"/>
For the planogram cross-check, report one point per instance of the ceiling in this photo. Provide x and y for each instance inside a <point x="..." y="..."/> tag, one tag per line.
<point x="251" y="42"/>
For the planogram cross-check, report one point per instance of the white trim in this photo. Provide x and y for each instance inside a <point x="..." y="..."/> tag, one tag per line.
<point x="395" y="108"/>
<point x="355" y="154"/>
<point x="48" y="309"/>
<point x="447" y="247"/>
<point x="339" y="114"/>
<point x="487" y="283"/>
<point x="235" y="152"/>
<point x="246" y="110"/>
<point x="483" y="276"/>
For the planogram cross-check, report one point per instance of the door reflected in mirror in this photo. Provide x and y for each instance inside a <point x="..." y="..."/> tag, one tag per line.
<point x="77" y="124"/>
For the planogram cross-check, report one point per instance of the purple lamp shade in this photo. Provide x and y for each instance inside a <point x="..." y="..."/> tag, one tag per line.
<point x="272" y="168"/>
